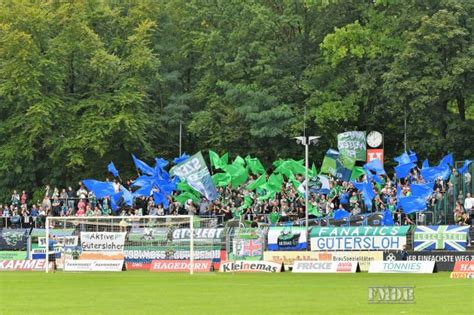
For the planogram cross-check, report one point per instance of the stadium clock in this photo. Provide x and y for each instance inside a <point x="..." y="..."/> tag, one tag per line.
<point x="374" y="139"/>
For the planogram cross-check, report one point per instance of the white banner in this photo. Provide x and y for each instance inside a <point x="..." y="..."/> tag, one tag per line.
<point x="103" y="241"/>
<point x="249" y="266"/>
<point x="357" y="243"/>
<point x="311" y="266"/>
<point x="61" y="241"/>
<point x="402" y="266"/>
<point x="93" y="265"/>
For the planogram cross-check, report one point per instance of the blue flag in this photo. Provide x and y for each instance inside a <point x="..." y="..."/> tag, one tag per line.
<point x="160" y="198"/>
<point x="403" y="170"/>
<point x="127" y="196"/>
<point x="181" y="158"/>
<point x="425" y="164"/>
<point x="111" y="168"/>
<point x="412" y="204"/>
<point x="341" y="214"/>
<point x="367" y="191"/>
<point x="387" y="219"/>
<point x="422" y="190"/>
<point x="160" y="163"/>
<point x="465" y="166"/>
<point x="403" y="159"/>
<point x="412" y="156"/>
<point x="142" y="166"/>
<point x="100" y="189"/>
<point x="448" y="159"/>
<point x="431" y="174"/>
<point x="375" y="166"/>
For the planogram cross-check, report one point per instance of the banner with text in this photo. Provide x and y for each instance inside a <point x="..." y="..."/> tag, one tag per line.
<point x="93" y="265"/>
<point x="180" y="266"/>
<point x="353" y="144"/>
<point x="358" y="238"/>
<point x="310" y="266"/>
<point x="23" y="265"/>
<point x="287" y="238"/>
<point x="402" y="267"/>
<point x="103" y="241"/>
<point x="447" y="237"/>
<point x="445" y="260"/>
<point x="363" y="257"/>
<point x="250" y="266"/>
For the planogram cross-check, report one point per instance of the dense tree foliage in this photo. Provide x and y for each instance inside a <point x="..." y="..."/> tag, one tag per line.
<point x="86" y="82"/>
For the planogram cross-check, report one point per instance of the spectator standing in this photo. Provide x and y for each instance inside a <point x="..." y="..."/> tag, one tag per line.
<point x="70" y="198"/>
<point x="468" y="203"/>
<point x="15" y="199"/>
<point x="23" y="197"/>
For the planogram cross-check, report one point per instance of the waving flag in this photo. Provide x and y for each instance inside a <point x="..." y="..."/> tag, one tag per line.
<point x="367" y="191"/>
<point x="412" y="204"/>
<point x="425" y="164"/>
<point x="142" y="166"/>
<point x="100" y="189"/>
<point x="431" y="174"/>
<point x="111" y="168"/>
<point x="341" y="214"/>
<point x="403" y="170"/>
<point x="447" y="237"/>
<point x="447" y="159"/>
<point x="422" y="190"/>
<point x="375" y="166"/>
<point x="183" y="157"/>
<point x="387" y="219"/>
<point x="465" y="166"/>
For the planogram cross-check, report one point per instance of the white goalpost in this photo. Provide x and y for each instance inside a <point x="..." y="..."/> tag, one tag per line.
<point x="101" y="239"/>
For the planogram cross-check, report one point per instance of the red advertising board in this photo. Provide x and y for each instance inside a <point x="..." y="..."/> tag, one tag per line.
<point x="24" y="265"/>
<point x="180" y="265"/>
<point x="137" y="266"/>
<point x="373" y="154"/>
<point x="464" y="266"/>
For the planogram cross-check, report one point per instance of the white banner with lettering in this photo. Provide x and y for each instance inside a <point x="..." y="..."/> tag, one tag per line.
<point x="103" y="241"/>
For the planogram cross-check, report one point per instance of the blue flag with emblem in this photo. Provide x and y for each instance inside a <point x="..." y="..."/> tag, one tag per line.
<point x="441" y="237"/>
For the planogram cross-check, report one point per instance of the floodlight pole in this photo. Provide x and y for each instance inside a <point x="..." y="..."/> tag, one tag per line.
<point x="306" y="141"/>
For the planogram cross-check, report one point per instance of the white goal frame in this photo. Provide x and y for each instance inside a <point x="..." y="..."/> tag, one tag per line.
<point x="86" y="218"/>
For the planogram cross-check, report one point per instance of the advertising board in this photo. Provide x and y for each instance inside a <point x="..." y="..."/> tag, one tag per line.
<point x="23" y="265"/>
<point x="445" y="260"/>
<point x="462" y="270"/>
<point x="180" y="266"/>
<point x="363" y="257"/>
<point x="404" y="266"/>
<point x="93" y="265"/>
<point x="311" y="266"/>
<point x="250" y="266"/>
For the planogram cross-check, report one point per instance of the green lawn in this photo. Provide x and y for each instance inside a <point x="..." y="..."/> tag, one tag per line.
<point x="137" y="292"/>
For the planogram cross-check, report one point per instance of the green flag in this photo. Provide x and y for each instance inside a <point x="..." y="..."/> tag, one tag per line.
<point x="215" y="160"/>
<point x="313" y="172"/>
<point x="221" y="179"/>
<point x="313" y="210"/>
<point x="238" y="174"/>
<point x="224" y="159"/>
<point x="357" y="172"/>
<point x="185" y="196"/>
<point x="274" y="182"/>
<point x="239" y="161"/>
<point x="257" y="183"/>
<point x="274" y="217"/>
<point x="255" y="165"/>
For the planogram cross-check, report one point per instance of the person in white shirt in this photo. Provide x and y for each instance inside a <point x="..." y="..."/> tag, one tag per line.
<point x="468" y="202"/>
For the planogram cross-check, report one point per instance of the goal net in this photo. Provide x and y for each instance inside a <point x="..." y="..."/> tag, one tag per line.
<point x="114" y="243"/>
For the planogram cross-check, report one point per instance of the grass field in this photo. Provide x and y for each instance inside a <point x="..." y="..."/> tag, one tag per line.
<point x="137" y="292"/>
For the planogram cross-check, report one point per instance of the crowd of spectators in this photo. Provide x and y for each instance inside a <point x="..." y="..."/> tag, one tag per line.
<point x="286" y="205"/>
